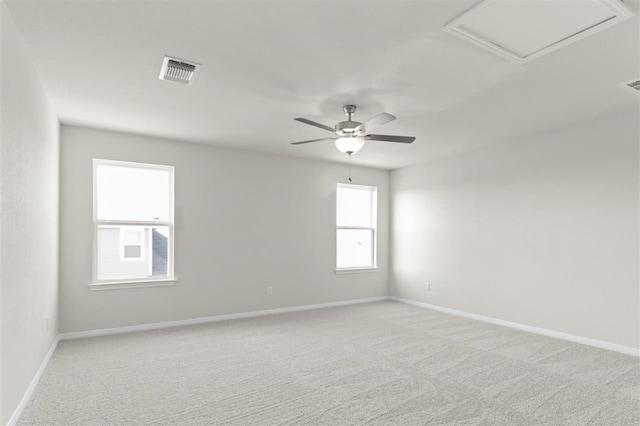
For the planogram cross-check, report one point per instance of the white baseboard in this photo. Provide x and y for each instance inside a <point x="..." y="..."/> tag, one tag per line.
<point x="179" y="323"/>
<point x="542" y="331"/>
<point x="32" y="386"/>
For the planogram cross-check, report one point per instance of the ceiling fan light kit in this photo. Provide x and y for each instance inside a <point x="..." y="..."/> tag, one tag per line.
<point x="349" y="144"/>
<point x="350" y="136"/>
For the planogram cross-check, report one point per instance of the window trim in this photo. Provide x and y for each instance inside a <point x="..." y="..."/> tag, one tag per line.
<point x="125" y="284"/>
<point x="373" y="267"/>
<point x="170" y="279"/>
<point x="355" y="270"/>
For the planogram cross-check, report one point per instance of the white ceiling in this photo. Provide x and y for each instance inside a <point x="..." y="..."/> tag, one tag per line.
<point x="265" y="63"/>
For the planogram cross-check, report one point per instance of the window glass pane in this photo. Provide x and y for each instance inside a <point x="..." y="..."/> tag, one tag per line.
<point x="127" y="193"/>
<point x="354" y="248"/>
<point x="118" y="259"/>
<point x="353" y="207"/>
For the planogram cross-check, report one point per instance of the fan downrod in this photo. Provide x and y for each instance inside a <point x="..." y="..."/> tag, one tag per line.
<point x="349" y="110"/>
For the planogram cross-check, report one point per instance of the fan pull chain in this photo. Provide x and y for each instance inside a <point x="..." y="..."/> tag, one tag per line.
<point x="350" y="167"/>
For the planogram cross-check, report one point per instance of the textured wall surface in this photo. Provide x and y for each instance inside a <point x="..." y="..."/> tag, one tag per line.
<point x="541" y="231"/>
<point x="28" y="221"/>
<point x="244" y="221"/>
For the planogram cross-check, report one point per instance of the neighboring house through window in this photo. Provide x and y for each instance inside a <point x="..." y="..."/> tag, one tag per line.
<point x="356" y="207"/>
<point x="132" y="244"/>
<point x="133" y="222"/>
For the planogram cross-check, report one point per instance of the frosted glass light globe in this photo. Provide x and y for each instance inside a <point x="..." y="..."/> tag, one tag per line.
<point x="349" y="145"/>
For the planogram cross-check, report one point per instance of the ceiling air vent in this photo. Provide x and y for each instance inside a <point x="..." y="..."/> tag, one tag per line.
<point x="632" y="86"/>
<point x="527" y="29"/>
<point x="178" y="70"/>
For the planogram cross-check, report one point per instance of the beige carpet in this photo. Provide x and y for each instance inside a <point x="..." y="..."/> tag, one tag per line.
<point x="378" y="363"/>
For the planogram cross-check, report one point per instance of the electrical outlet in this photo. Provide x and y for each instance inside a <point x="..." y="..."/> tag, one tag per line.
<point x="427" y="286"/>
<point x="269" y="290"/>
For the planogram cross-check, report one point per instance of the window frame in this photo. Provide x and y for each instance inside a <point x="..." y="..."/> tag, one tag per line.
<point x="170" y="279"/>
<point x="373" y="190"/>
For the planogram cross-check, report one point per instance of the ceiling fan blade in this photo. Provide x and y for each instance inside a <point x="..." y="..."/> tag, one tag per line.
<point x="388" y="138"/>
<point x="313" y="123"/>
<point x="374" y="122"/>
<point x="312" y="140"/>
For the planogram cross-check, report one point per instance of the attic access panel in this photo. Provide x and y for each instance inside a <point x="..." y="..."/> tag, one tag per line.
<point x="522" y="30"/>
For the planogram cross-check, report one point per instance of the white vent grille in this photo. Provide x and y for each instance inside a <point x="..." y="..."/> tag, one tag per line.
<point x="632" y="86"/>
<point x="178" y="70"/>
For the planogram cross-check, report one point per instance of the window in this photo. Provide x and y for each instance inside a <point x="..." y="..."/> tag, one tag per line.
<point x="356" y="207"/>
<point x="133" y="222"/>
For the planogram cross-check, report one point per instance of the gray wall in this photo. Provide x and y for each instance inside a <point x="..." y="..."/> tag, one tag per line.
<point x="28" y="221"/>
<point x="244" y="221"/>
<point x="541" y="231"/>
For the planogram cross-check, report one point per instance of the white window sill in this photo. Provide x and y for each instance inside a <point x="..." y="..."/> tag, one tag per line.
<point x="355" y="270"/>
<point x="119" y="285"/>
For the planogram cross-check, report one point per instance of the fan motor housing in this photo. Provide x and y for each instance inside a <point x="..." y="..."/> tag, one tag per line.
<point x="347" y="127"/>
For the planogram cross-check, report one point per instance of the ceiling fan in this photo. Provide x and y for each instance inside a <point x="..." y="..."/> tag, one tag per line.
<point x="350" y="136"/>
